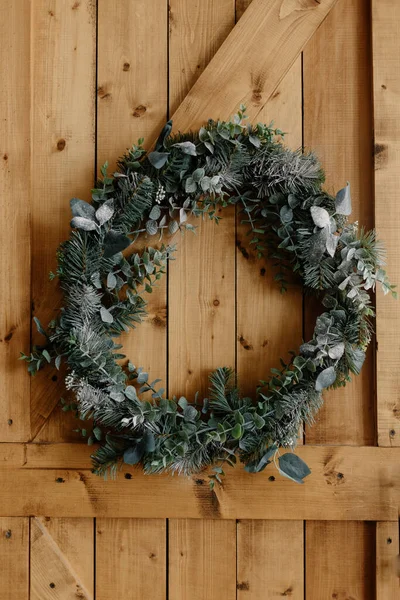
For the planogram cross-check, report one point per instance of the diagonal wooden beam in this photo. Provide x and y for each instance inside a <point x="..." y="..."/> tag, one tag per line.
<point x="253" y="60"/>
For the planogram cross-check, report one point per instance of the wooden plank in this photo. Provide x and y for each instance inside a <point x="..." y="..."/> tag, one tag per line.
<point x="341" y="47"/>
<point x="347" y="483"/>
<point x="387" y="561"/>
<point x="132" y="103"/>
<point x="386" y="48"/>
<point x="227" y="81"/>
<point x="130" y="558"/>
<point x="338" y="126"/>
<point x="340" y="561"/>
<point x="14" y="558"/>
<point x="202" y="559"/>
<point x="270" y="560"/>
<point x="63" y="125"/>
<point x="201" y="301"/>
<point x="61" y="558"/>
<point x="264" y="333"/>
<point x="201" y="310"/>
<point x="15" y="236"/>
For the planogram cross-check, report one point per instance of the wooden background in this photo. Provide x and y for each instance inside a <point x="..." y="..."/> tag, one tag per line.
<point x="81" y="81"/>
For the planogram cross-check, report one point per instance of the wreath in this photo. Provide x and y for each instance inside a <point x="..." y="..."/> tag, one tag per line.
<point x="290" y="217"/>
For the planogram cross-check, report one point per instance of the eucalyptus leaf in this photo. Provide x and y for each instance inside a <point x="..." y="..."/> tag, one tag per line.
<point x="111" y="281"/>
<point x="336" y="351"/>
<point x="155" y="213"/>
<point x="115" y="242"/>
<point x="80" y="208"/>
<point x="83" y="223"/>
<point x="160" y="144"/>
<point x="105" y="315"/>
<point x="331" y="244"/>
<point x="105" y="212"/>
<point x="320" y="216"/>
<point x="325" y="379"/>
<point x="151" y="227"/>
<point x="293" y="467"/>
<point x="158" y="159"/>
<point x="186" y="148"/>
<point x="343" y="201"/>
<point x="173" y="227"/>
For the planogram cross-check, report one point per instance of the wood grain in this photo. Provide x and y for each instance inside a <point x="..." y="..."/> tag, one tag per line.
<point x="14" y="558"/>
<point x="338" y="126"/>
<point x="63" y="126"/>
<point x="202" y="560"/>
<point x="131" y="558"/>
<point x="386" y="44"/>
<point x="201" y="309"/>
<point x="347" y="483"/>
<point x="132" y="103"/>
<point x="270" y="560"/>
<point x="61" y="559"/>
<point x="15" y="235"/>
<point x="340" y="561"/>
<point x="387" y="561"/>
<point x="227" y="82"/>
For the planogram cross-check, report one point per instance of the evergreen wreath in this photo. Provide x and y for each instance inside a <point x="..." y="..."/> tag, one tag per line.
<point x="290" y="218"/>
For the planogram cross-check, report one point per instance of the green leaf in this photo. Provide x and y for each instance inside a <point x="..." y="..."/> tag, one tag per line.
<point x="151" y="227"/>
<point x="259" y="465"/>
<point x="186" y="148"/>
<point x="105" y="212"/>
<point x="155" y="212"/>
<point x="115" y="242"/>
<point x="80" y="208"/>
<point x="97" y="432"/>
<point x="160" y="144"/>
<point x="326" y="378"/>
<point x="198" y="175"/>
<point x="39" y="327"/>
<point x="158" y="159"/>
<point x="286" y="214"/>
<point x="130" y="392"/>
<point x="133" y="455"/>
<point x="105" y="315"/>
<point x="237" y="431"/>
<point x="46" y="355"/>
<point x="58" y="362"/>
<point x="343" y="201"/>
<point x="293" y="467"/>
<point x="83" y="223"/>
<point x="173" y="227"/>
<point x="111" y="281"/>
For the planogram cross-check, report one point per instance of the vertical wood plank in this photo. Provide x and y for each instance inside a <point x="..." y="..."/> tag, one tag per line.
<point x="386" y="49"/>
<point x="264" y="331"/>
<point x="132" y="103"/>
<point x="202" y="560"/>
<point x="338" y="126"/>
<point x="63" y="115"/>
<point x="201" y="302"/>
<point x="15" y="235"/>
<point x="270" y="560"/>
<point x="201" y="309"/>
<point x="340" y="560"/>
<point x="62" y="559"/>
<point x="270" y="554"/>
<point x="387" y="561"/>
<point x="14" y="558"/>
<point x="130" y="558"/>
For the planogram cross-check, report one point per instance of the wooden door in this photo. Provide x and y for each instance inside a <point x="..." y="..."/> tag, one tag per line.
<point x="80" y="82"/>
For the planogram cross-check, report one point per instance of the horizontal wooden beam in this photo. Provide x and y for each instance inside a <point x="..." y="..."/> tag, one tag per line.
<point x="347" y="483"/>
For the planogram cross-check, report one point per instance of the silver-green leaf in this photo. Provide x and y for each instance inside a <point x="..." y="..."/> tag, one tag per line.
<point x="325" y="379"/>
